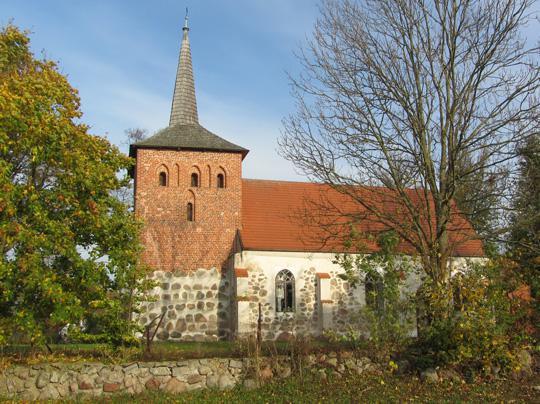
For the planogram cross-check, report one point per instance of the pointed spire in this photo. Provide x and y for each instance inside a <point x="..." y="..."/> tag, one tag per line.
<point x="184" y="104"/>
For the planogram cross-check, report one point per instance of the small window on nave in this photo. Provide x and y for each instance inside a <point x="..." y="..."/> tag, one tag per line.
<point x="163" y="179"/>
<point x="374" y="292"/>
<point x="285" y="291"/>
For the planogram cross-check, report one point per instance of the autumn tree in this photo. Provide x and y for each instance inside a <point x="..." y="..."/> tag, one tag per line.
<point x="411" y="100"/>
<point x="68" y="248"/>
<point x="480" y="199"/>
<point x="524" y="240"/>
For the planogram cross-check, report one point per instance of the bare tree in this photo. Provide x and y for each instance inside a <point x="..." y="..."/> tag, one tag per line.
<point x="133" y="135"/>
<point x="411" y="99"/>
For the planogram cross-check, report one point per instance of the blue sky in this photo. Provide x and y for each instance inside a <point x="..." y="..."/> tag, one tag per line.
<point x="122" y="57"/>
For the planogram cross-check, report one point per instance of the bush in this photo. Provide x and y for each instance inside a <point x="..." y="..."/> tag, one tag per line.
<point x="481" y="330"/>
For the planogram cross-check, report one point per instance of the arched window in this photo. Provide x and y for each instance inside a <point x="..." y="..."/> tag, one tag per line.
<point x="285" y="291"/>
<point x="194" y="180"/>
<point x="374" y="291"/>
<point x="220" y="181"/>
<point x="163" y="179"/>
<point x="190" y="213"/>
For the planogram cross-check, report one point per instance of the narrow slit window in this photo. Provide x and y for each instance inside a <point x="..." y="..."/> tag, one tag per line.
<point x="221" y="181"/>
<point x="189" y="212"/>
<point x="194" y="180"/>
<point x="285" y="291"/>
<point x="163" y="179"/>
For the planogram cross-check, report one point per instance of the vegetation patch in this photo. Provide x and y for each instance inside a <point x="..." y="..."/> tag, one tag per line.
<point x="166" y="351"/>
<point x="367" y="388"/>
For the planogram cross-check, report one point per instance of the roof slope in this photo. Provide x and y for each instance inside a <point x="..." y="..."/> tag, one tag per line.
<point x="184" y="130"/>
<point x="184" y="104"/>
<point x="296" y="216"/>
<point x="187" y="136"/>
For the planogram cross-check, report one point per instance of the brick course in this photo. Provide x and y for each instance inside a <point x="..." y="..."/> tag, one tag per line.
<point x="172" y="243"/>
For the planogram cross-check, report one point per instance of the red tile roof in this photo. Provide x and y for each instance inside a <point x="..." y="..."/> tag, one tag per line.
<point x="294" y="216"/>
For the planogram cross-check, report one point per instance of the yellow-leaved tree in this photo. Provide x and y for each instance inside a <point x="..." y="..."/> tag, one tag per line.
<point x="69" y="250"/>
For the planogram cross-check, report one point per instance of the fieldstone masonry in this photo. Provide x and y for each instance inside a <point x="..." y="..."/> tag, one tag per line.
<point x="197" y="305"/>
<point x="306" y="319"/>
<point x="59" y="380"/>
<point x="346" y="304"/>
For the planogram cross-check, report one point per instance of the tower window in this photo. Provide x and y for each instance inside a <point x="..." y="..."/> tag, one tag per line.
<point x="189" y="212"/>
<point x="220" y="181"/>
<point x="194" y="180"/>
<point x="163" y="179"/>
<point x="285" y="291"/>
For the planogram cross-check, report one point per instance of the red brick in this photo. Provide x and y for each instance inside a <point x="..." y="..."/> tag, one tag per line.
<point x="171" y="242"/>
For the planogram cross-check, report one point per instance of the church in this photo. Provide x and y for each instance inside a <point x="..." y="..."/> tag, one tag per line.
<point x="226" y="250"/>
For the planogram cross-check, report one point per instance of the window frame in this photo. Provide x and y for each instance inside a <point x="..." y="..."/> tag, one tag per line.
<point x="163" y="179"/>
<point x="220" y="182"/>
<point x="197" y="181"/>
<point x="285" y="292"/>
<point x="190" y="212"/>
<point x="374" y="291"/>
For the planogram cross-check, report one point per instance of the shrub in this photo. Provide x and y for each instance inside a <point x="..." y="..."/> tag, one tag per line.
<point x="388" y="310"/>
<point x="481" y="329"/>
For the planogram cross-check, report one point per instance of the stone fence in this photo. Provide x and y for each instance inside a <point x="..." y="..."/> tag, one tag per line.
<point x="63" y="380"/>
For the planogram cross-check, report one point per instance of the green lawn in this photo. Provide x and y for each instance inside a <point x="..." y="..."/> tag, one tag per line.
<point x="367" y="388"/>
<point x="160" y="351"/>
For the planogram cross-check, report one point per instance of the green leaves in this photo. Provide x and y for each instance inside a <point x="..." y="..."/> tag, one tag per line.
<point x="387" y="313"/>
<point x="481" y="330"/>
<point x="65" y="241"/>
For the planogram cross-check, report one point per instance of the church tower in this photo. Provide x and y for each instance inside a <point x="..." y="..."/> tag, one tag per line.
<point x="188" y="192"/>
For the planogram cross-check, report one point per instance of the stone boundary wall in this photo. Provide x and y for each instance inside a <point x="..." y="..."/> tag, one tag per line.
<point x="62" y="380"/>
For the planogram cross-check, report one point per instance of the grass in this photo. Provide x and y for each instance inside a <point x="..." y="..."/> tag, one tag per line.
<point x="365" y="388"/>
<point x="161" y="351"/>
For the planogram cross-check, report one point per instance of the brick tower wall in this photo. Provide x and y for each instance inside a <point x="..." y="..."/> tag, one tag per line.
<point x="188" y="258"/>
<point x="171" y="242"/>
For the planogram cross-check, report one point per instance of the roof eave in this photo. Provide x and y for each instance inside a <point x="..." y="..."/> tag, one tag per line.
<point x="134" y="147"/>
<point x="336" y="251"/>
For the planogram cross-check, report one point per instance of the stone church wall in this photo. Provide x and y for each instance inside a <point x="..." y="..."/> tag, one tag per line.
<point x="207" y="304"/>
<point x="197" y="305"/>
<point x="262" y="268"/>
<point x="312" y="315"/>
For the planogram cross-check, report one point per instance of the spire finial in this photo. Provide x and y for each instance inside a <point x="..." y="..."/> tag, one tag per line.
<point x="186" y="28"/>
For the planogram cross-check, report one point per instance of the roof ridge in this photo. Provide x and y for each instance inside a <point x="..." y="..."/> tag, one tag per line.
<point x="382" y="187"/>
<point x="286" y="181"/>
